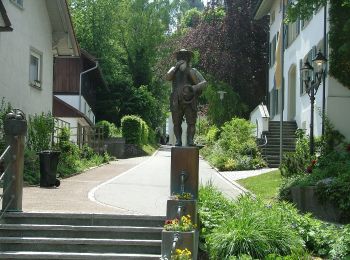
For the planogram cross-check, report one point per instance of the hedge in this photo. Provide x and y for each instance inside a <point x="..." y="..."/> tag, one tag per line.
<point x="134" y="130"/>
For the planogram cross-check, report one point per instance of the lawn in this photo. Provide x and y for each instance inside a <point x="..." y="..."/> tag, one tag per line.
<point x="264" y="185"/>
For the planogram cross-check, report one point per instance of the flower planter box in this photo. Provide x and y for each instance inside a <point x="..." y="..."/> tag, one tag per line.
<point x="187" y="207"/>
<point x="306" y="200"/>
<point x="187" y="240"/>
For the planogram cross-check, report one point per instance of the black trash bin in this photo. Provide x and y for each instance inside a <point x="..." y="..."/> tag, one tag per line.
<point x="48" y="168"/>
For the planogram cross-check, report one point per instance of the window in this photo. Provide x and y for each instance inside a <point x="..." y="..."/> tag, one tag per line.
<point x="272" y="17"/>
<point x="35" y="69"/>
<point x="274" y="102"/>
<point x="273" y="46"/>
<point x="18" y="3"/>
<point x="293" y="30"/>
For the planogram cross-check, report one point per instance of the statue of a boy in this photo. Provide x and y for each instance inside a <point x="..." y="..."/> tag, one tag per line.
<point x="187" y="86"/>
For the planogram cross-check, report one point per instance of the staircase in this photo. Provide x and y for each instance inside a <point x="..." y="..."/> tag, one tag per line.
<point x="79" y="236"/>
<point x="271" y="150"/>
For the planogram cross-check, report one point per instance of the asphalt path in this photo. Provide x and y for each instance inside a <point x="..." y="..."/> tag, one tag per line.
<point x="145" y="188"/>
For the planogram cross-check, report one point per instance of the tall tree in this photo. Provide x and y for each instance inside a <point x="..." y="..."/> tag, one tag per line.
<point x="125" y="34"/>
<point x="233" y="48"/>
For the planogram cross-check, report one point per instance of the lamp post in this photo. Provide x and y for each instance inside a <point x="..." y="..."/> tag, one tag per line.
<point x="312" y="85"/>
<point x="221" y="94"/>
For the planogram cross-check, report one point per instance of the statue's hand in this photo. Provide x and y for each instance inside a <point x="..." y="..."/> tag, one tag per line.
<point x="179" y="63"/>
<point x="196" y="88"/>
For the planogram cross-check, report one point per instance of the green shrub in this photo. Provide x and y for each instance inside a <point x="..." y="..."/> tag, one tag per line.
<point x="234" y="147"/>
<point x="249" y="229"/>
<point x="135" y="130"/>
<point x="40" y="130"/>
<point x="340" y="249"/>
<point x="86" y="152"/>
<point x="31" y="170"/>
<point x="295" y="163"/>
<point x="245" y="227"/>
<point x="256" y="230"/>
<point x="109" y="129"/>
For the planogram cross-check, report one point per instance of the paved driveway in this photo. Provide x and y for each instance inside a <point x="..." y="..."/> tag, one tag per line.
<point x="129" y="186"/>
<point x="145" y="188"/>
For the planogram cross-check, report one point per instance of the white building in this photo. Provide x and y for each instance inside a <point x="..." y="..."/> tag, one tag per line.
<point x="42" y="30"/>
<point x="303" y="39"/>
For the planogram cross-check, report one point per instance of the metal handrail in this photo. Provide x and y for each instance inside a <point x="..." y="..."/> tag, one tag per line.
<point x="6" y="189"/>
<point x="7" y="206"/>
<point x="7" y="150"/>
<point x="4" y="153"/>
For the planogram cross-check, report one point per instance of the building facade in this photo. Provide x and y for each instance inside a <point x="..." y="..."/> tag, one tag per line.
<point x="42" y="30"/>
<point x="302" y="40"/>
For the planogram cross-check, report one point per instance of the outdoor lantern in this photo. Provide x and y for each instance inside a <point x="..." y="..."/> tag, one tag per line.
<point x="306" y="73"/>
<point x="319" y="63"/>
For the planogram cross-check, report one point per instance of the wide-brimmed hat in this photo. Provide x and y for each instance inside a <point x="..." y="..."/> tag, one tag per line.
<point x="183" y="53"/>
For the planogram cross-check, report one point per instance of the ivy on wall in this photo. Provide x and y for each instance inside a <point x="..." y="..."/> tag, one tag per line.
<point x="339" y="41"/>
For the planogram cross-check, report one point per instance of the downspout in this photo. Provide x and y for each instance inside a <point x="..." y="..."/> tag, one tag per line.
<point x="324" y="74"/>
<point x="80" y="81"/>
<point x="282" y="87"/>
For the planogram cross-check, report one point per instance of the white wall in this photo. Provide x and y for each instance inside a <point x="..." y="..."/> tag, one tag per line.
<point x="338" y="107"/>
<point x="172" y="139"/>
<point x="309" y="36"/>
<point x="73" y="100"/>
<point x="32" y="29"/>
<point x="260" y="118"/>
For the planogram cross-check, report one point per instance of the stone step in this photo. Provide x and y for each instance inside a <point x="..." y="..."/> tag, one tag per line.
<point x="76" y="256"/>
<point x="82" y="245"/>
<point x="276" y="147"/>
<point x="273" y="152"/>
<point x="83" y="219"/>
<point x="68" y="231"/>
<point x="284" y="123"/>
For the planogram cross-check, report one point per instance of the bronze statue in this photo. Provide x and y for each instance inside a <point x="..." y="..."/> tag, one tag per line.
<point x="187" y="86"/>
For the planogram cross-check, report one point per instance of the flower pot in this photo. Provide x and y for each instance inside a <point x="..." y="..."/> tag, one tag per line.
<point x="179" y="208"/>
<point x="172" y="240"/>
<point x="306" y="200"/>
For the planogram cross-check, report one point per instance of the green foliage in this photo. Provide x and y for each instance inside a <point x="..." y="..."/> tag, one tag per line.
<point x="244" y="227"/>
<point x="31" y="170"/>
<point x="4" y="109"/>
<point x="295" y="163"/>
<point x="191" y="18"/>
<point x="221" y="111"/>
<point x="135" y="130"/>
<point x="109" y="129"/>
<point x="127" y="47"/>
<point x="40" y="129"/>
<point x="339" y="41"/>
<point x="340" y="249"/>
<point x="236" y="148"/>
<point x="249" y="229"/>
<point x="330" y="172"/>
<point x="214" y="14"/>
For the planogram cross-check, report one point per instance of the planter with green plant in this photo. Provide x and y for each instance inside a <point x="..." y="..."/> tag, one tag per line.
<point x="320" y="184"/>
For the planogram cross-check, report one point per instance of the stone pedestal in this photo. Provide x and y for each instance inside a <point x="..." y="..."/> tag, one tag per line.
<point x="184" y="170"/>
<point x="184" y="179"/>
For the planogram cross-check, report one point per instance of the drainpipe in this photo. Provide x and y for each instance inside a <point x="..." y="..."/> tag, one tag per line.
<point x="324" y="74"/>
<point x="80" y="81"/>
<point x="282" y="87"/>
